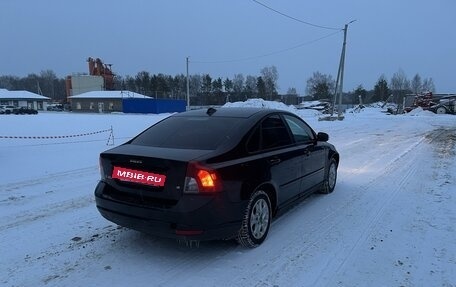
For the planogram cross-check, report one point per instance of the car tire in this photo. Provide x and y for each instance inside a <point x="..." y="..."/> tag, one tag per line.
<point x="440" y="110"/>
<point x="330" y="178"/>
<point x="256" y="221"/>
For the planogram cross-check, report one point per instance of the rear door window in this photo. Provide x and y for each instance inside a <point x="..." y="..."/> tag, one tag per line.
<point x="271" y="133"/>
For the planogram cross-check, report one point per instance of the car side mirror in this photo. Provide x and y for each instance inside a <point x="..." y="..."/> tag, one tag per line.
<point x="322" y="137"/>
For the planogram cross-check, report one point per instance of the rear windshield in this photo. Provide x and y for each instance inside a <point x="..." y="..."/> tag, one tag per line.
<point x="205" y="133"/>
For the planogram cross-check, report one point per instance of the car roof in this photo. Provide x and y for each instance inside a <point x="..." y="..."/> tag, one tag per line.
<point x="236" y="112"/>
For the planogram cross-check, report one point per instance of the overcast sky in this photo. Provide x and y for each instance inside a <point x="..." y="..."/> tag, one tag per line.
<point x="416" y="36"/>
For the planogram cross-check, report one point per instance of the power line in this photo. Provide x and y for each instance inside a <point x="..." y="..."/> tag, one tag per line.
<point x="267" y="54"/>
<point x="295" y="19"/>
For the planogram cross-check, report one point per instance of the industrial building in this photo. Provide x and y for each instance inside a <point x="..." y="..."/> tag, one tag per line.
<point x="100" y="78"/>
<point x="95" y="93"/>
<point x="123" y="101"/>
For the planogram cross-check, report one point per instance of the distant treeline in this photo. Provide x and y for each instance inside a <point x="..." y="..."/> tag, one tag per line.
<point x="205" y="90"/>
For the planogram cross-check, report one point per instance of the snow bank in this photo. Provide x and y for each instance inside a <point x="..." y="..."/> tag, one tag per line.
<point x="420" y="112"/>
<point x="260" y="103"/>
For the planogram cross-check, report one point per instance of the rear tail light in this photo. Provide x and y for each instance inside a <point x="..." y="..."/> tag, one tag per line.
<point x="200" y="179"/>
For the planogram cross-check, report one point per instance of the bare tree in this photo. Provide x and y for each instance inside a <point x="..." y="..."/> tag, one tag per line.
<point x="238" y="83"/>
<point x="400" y="86"/>
<point x="270" y="77"/>
<point x="46" y="83"/>
<point x="250" y="86"/>
<point x="428" y="85"/>
<point x="130" y="83"/>
<point x="195" y="83"/>
<point x="142" y="81"/>
<point x="416" y="84"/>
<point x="9" y="82"/>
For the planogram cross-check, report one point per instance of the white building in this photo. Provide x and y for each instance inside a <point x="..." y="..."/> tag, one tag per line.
<point x="23" y="99"/>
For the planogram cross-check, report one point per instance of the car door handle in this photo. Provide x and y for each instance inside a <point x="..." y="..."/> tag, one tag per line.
<point x="274" y="160"/>
<point x="306" y="152"/>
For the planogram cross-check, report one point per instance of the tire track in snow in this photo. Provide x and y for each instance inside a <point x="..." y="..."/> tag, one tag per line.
<point x="31" y="202"/>
<point x="46" y="179"/>
<point x="29" y="217"/>
<point x="372" y="224"/>
<point x="61" y="258"/>
<point x="320" y="231"/>
<point x="444" y="142"/>
<point x="402" y="163"/>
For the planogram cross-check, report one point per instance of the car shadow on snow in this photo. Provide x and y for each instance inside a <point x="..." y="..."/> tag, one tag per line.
<point x="133" y="241"/>
<point x="120" y="241"/>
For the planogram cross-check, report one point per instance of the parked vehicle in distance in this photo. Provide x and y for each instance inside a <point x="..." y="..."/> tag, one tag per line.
<point x="24" y="111"/>
<point x="6" y="109"/>
<point x="446" y="105"/>
<point x="214" y="174"/>
<point x="55" y="107"/>
<point x="425" y="101"/>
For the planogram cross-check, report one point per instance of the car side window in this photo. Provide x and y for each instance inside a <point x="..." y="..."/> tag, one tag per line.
<point x="270" y="133"/>
<point x="302" y="133"/>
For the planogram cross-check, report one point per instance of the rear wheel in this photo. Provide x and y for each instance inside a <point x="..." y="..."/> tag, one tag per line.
<point x="440" y="110"/>
<point x="331" y="178"/>
<point x="257" y="220"/>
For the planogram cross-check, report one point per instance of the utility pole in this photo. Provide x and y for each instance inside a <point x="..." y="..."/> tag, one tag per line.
<point x="188" y="89"/>
<point x="340" y="76"/>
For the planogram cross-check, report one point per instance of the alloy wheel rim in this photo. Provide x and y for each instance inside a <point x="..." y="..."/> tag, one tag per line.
<point x="259" y="218"/>
<point x="441" y="110"/>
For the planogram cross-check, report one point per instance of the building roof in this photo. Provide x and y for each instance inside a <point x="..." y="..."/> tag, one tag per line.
<point x="21" y="95"/>
<point x="109" y="95"/>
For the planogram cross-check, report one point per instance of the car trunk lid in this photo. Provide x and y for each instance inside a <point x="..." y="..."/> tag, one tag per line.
<point x="146" y="175"/>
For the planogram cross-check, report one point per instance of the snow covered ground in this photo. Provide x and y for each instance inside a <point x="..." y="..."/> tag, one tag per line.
<point x="390" y="222"/>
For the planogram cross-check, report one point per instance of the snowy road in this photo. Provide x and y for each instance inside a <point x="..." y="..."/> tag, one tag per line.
<point x="390" y="222"/>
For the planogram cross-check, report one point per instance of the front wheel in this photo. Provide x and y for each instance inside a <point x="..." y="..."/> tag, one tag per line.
<point x="331" y="178"/>
<point x="440" y="111"/>
<point x="257" y="220"/>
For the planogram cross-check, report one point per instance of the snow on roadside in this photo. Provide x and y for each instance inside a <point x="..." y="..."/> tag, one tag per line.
<point x="260" y="103"/>
<point x="73" y="140"/>
<point x="392" y="212"/>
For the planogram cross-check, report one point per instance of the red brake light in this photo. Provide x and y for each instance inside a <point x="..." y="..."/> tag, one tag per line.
<point x="200" y="179"/>
<point x="206" y="178"/>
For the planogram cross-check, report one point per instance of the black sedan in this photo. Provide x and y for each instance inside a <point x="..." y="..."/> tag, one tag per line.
<point x="214" y="174"/>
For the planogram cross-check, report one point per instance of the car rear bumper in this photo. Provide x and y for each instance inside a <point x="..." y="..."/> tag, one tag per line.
<point x="194" y="217"/>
